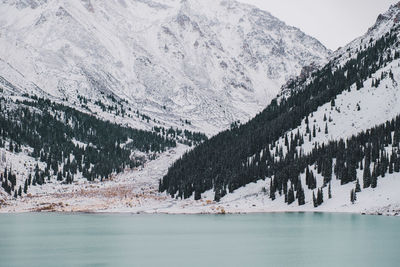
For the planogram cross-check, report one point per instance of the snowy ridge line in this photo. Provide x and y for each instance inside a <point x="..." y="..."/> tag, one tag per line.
<point x="224" y="160"/>
<point x="339" y="101"/>
<point x="339" y="184"/>
<point x="174" y="60"/>
<point x="354" y="111"/>
<point x="385" y="23"/>
<point x="350" y="102"/>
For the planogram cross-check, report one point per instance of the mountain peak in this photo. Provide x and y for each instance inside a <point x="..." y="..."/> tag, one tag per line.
<point x="209" y="62"/>
<point x="387" y="19"/>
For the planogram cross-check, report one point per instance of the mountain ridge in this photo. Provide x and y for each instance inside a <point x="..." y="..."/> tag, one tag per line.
<point x="171" y="60"/>
<point x="328" y="142"/>
<point x="327" y="122"/>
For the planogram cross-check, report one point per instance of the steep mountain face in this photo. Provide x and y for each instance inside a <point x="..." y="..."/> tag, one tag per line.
<point x="334" y="132"/>
<point x="384" y="24"/>
<point x="208" y="62"/>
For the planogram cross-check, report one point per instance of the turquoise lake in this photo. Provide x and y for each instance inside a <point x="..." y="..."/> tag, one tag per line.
<point x="277" y="239"/>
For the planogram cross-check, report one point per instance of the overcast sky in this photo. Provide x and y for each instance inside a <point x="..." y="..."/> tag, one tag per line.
<point x="333" y="22"/>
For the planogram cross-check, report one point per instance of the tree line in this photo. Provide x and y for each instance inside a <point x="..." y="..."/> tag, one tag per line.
<point x="69" y="142"/>
<point x="222" y="163"/>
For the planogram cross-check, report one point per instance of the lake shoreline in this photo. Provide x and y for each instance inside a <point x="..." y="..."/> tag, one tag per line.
<point x="93" y="212"/>
<point x="136" y="192"/>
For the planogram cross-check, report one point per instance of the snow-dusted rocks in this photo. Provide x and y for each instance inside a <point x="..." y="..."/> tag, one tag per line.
<point x="182" y="60"/>
<point x="356" y="91"/>
<point x="209" y="62"/>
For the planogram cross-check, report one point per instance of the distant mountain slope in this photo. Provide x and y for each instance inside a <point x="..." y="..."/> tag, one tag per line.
<point x="337" y="126"/>
<point x="208" y="62"/>
<point x="45" y="142"/>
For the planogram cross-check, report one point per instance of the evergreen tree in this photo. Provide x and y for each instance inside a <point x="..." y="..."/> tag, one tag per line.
<point x="26" y="186"/>
<point x="374" y="180"/>
<point x="320" y="197"/>
<point x="352" y="198"/>
<point x="272" y="190"/>
<point x="314" y="200"/>
<point x="19" y="191"/>
<point x="301" y="197"/>
<point x="290" y="197"/>
<point x="329" y="191"/>
<point x="358" y="188"/>
<point x="367" y="175"/>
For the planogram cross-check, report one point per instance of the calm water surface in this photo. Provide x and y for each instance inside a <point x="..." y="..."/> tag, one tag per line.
<point x="292" y="239"/>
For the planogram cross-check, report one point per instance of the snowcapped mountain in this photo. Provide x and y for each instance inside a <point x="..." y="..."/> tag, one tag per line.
<point x="329" y="142"/>
<point x="384" y="24"/>
<point x="358" y="109"/>
<point x="334" y="131"/>
<point x="207" y="62"/>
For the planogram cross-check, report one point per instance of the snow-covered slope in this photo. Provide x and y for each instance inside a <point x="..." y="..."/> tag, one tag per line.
<point x="208" y="62"/>
<point x="358" y="109"/>
<point x="354" y="111"/>
<point x="357" y="90"/>
<point x="384" y="23"/>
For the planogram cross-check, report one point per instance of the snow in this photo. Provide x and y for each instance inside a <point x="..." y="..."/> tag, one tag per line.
<point x="211" y="66"/>
<point x="377" y="105"/>
<point x="135" y="191"/>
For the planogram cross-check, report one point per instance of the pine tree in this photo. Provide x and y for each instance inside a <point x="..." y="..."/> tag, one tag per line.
<point x="352" y="196"/>
<point x="11" y="147"/>
<point x="391" y="163"/>
<point x="320" y="197"/>
<point x="290" y="196"/>
<point x="197" y="195"/>
<point x="19" y="191"/>
<point x="301" y="197"/>
<point x="307" y="177"/>
<point x="26" y="186"/>
<point x="329" y="191"/>
<point x="314" y="200"/>
<point x="272" y="190"/>
<point x="367" y="175"/>
<point x="358" y="188"/>
<point x="396" y="167"/>
<point x="374" y="180"/>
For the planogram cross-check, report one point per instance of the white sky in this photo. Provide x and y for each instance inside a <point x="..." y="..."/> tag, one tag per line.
<point x="333" y="22"/>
